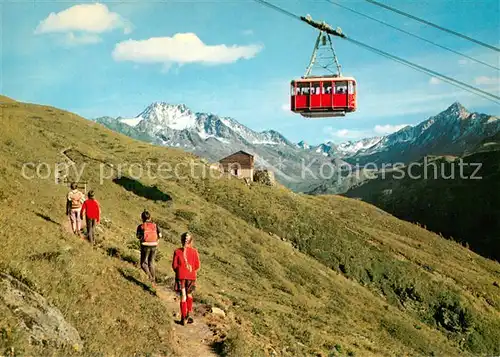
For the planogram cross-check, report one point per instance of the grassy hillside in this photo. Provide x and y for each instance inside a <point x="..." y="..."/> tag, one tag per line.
<point x="297" y="275"/>
<point x="465" y="208"/>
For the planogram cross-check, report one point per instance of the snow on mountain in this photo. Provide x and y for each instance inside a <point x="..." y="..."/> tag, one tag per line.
<point x="452" y="131"/>
<point x="213" y="137"/>
<point x="345" y="149"/>
<point x="131" y="122"/>
<point x="325" y="149"/>
<point x="303" y="145"/>
<point x="160" y="115"/>
<point x="351" y="148"/>
<point x="166" y="121"/>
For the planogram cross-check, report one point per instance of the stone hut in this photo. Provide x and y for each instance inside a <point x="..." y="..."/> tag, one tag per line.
<point x="239" y="164"/>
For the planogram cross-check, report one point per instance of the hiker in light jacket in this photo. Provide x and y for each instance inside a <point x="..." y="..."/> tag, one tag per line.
<point x="74" y="201"/>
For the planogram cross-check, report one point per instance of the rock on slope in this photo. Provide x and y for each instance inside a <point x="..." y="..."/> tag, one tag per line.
<point x="44" y="323"/>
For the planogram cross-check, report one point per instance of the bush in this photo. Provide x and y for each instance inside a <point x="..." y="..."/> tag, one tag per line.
<point x="236" y="345"/>
<point x="186" y="215"/>
<point x="451" y="315"/>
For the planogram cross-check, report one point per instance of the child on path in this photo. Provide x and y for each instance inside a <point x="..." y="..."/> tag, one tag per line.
<point x="92" y="211"/>
<point x="148" y="233"/>
<point x="185" y="263"/>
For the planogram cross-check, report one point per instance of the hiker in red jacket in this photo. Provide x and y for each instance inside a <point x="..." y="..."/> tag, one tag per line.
<point x="185" y="263"/>
<point x="92" y="211"/>
<point x="148" y="233"/>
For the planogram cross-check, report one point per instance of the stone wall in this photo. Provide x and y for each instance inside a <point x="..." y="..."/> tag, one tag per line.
<point x="265" y="177"/>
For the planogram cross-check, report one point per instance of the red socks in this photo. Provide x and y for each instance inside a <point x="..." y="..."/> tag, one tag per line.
<point x="189" y="302"/>
<point x="186" y="307"/>
<point x="183" y="309"/>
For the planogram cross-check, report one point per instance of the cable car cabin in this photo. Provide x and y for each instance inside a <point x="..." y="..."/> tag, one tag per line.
<point x="323" y="97"/>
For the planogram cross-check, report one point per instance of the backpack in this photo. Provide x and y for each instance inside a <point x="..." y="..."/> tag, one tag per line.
<point x="76" y="199"/>
<point x="150" y="234"/>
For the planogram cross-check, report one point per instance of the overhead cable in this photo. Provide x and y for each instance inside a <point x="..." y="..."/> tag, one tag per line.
<point x="412" y="34"/>
<point x="434" y="25"/>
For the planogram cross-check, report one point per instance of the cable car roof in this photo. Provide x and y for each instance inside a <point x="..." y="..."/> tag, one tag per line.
<point x="324" y="78"/>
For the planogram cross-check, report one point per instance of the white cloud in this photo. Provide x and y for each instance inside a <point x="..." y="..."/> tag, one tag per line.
<point x="484" y="80"/>
<point x="286" y="107"/>
<point x="346" y="133"/>
<point x="388" y="129"/>
<point x="434" y="81"/>
<point x="181" y="48"/>
<point x="86" y="19"/>
<point x="72" y="39"/>
<point x="463" y="61"/>
<point x="248" y="32"/>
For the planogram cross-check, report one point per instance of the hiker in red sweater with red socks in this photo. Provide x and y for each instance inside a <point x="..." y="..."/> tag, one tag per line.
<point x="92" y="211"/>
<point x="185" y="263"/>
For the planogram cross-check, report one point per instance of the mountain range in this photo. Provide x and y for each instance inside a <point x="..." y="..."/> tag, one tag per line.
<point x="213" y="137"/>
<point x="454" y="131"/>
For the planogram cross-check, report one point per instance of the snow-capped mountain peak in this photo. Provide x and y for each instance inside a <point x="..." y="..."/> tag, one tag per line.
<point x="457" y="110"/>
<point x="174" y="124"/>
<point x="161" y="115"/>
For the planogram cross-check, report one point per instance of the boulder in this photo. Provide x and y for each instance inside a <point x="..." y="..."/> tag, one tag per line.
<point x="265" y="177"/>
<point x="218" y="312"/>
<point x="44" y="323"/>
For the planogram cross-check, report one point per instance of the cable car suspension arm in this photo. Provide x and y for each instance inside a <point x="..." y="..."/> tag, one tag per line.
<point x="323" y="26"/>
<point x="322" y="37"/>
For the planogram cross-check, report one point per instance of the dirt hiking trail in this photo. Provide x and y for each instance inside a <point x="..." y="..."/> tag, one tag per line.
<point x="191" y="340"/>
<point x="194" y="339"/>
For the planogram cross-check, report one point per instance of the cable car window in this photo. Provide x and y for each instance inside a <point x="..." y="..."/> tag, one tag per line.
<point x="315" y="88"/>
<point x="340" y="87"/>
<point x="352" y="87"/>
<point x="302" y="88"/>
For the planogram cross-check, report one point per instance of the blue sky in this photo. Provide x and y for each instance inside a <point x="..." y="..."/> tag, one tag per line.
<point x="236" y="58"/>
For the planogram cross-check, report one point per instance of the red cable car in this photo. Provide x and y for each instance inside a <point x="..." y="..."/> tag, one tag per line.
<point x="323" y="96"/>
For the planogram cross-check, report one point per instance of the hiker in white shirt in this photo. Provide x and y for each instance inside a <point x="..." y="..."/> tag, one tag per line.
<point x="74" y="203"/>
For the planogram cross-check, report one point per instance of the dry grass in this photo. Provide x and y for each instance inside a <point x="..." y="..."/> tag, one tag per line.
<point x="336" y="292"/>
